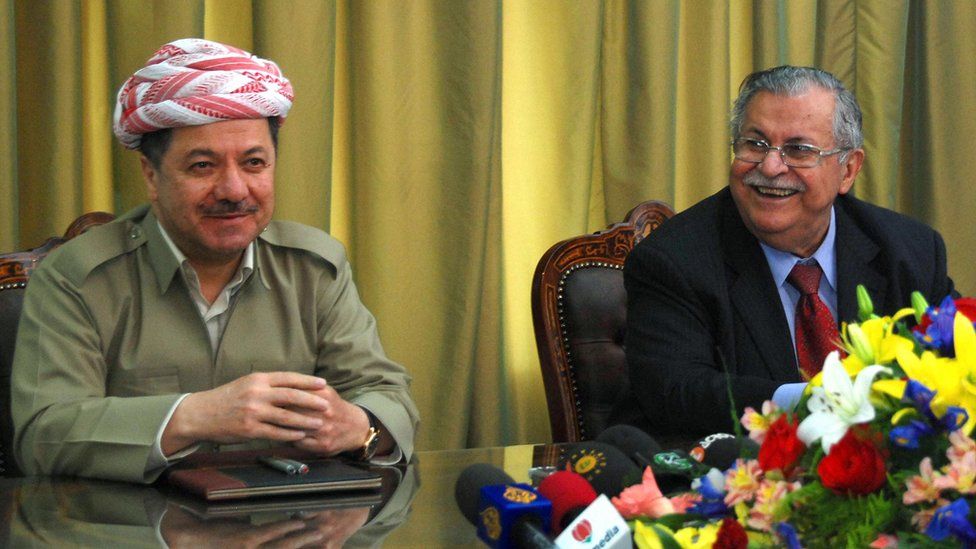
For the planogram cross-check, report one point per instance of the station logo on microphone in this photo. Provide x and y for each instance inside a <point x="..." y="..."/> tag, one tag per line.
<point x="492" y="521"/>
<point x="519" y="495"/>
<point x="588" y="462"/>
<point x="583" y="532"/>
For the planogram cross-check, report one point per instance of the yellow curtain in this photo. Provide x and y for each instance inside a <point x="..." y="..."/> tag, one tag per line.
<point x="448" y="144"/>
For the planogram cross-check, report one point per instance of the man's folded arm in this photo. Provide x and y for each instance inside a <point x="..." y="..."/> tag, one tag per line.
<point x="352" y="361"/>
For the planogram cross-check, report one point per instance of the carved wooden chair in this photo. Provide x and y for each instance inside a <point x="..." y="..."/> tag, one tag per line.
<point x="579" y="309"/>
<point x="15" y="272"/>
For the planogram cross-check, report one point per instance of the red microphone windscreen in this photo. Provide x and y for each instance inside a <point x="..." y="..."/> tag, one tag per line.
<point x="567" y="491"/>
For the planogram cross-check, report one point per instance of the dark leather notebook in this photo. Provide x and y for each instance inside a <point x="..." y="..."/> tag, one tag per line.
<point x="308" y="503"/>
<point x="236" y="475"/>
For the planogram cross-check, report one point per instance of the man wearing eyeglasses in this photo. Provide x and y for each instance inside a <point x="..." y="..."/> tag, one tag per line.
<point x="741" y="294"/>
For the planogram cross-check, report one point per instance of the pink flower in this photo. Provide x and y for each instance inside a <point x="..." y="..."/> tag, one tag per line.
<point x="742" y="481"/>
<point x="921" y="519"/>
<point x="768" y="499"/>
<point x="961" y="445"/>
<point x="758" y="424"/>
<point x="921" y="487"/>
<point x="683" y="502"/>
<point x="884" y="541"/>
<point x="960" y="475"/>
<point x="643" y="500"/>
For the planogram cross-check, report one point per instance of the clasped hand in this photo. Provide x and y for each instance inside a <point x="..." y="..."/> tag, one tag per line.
<point x="280" y="406"/>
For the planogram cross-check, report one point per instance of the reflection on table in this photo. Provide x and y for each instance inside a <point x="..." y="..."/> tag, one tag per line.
<point x="60" y="512"/>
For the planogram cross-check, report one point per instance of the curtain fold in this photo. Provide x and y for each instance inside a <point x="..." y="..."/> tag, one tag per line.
<point x="449" y="144"/>
<point x="49" y="121"/>
<point x="9" y="190"/>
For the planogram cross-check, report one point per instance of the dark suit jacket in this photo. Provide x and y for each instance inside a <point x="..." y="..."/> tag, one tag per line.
<point x="700" y="295"/>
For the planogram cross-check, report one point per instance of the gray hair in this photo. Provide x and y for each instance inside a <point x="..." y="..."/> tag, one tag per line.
<point x="791" y="81"/>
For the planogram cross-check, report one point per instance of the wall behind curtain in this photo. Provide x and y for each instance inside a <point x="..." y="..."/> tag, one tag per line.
<point x="448" y="144"/>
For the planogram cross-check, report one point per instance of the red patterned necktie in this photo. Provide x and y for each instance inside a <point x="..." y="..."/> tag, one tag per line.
<point x="816" y="330"/>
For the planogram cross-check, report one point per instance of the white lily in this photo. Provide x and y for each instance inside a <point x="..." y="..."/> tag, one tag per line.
<point x="838" y="403"/>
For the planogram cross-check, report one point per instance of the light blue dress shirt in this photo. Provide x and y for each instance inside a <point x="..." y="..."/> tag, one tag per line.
<point x="780" y="265"/>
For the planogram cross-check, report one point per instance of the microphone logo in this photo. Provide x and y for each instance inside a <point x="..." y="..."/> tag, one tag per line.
<point x="492" y="522"/>
<point x="519" y="495"/>
<point x="698" y="452"/>
<point x="588" y="462"/>
<point x="583" y="531"/>
<point x="672" y="461"/>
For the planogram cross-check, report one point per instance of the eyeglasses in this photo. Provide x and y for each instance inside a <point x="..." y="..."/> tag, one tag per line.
<point x="795" y="155"/>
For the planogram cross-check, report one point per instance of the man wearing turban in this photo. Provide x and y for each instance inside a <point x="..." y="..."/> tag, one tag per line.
<point x="195" y="322"/>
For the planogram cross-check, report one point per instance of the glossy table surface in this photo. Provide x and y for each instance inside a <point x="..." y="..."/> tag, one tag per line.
<point x="416" y="509"/>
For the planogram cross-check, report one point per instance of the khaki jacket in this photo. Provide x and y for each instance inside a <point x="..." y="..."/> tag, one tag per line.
<point x="109" y="338"/>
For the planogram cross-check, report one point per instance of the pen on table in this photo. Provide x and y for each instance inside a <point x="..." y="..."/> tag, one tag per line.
<point x="287" y="466"/>
<point x="301" y="467"/>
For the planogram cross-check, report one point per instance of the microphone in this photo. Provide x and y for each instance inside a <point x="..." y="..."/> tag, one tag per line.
<point x="583" y="518"/>
<point x="569" y="493"/>
<point x="720" y="450"/>
<point x="633" y="442"/>
<point x="507" y="515"/>
<point x="605" y="467"/>
<point x="599" y="525"/>
<point x="673" y="470"/>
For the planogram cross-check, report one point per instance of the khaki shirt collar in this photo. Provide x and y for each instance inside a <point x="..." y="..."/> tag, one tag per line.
<point x="166" y="259"/>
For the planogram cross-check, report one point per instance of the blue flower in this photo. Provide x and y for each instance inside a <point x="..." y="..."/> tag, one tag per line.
<point x="712" y="504"/>
<point x="907" y="436"/>
<point x="787" y="534"/>
<point x="709" y="509"/>
<point x="954" y="418"/>
<point x="952" y="519"/>
<point x="709" y="491"/>
<point x="938" y="335"/>
<point x="920" y="396"/>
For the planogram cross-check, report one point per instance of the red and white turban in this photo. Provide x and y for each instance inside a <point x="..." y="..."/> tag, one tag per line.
<point x="191" y="82"/>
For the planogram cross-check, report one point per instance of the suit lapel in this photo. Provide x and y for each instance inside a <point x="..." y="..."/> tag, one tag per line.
<point x="855" y="252"/>
<point x="754" y="295"/>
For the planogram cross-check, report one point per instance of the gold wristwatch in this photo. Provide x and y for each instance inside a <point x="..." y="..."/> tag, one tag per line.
<point x="372" y="441"/>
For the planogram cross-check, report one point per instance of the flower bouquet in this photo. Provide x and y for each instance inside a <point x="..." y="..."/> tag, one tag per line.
<point x="877" y="453"/>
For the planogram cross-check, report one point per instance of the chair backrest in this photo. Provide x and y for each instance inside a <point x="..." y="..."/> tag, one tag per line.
<point x="579" y="309"/>
<point x="15" y="272"/>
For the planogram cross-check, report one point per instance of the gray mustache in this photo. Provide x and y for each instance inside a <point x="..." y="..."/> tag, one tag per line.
<point x="754" y="179"/>
<point x="225" y="207"/>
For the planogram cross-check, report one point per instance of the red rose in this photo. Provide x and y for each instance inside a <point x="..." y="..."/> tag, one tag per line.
<point x="967" y="306"/>
<point x="731" y="535"/>
<point x="781" y="448"/>
<point x="853" y="466"/>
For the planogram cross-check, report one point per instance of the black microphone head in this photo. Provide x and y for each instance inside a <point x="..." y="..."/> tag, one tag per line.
<point x="467" y="489"/>
<point x="720" y="450"/>
<point x="674" y="470"/>
<point x="606" y="468"/>
<point x="637" y="445"/>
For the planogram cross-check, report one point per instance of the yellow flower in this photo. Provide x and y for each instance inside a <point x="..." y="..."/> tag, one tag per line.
<point x="651" y="536"/>
<point x="964" y="340"/>
<point x="697" y="538"/>
<point x="952" y="379"/>
<point x="874" y="342"/>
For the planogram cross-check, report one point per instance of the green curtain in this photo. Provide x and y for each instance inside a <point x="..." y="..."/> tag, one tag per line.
<point x="448" y="144"/>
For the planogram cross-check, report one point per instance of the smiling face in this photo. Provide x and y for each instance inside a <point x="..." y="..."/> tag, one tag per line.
<point x="789" y="208"/>
<point x="213" y="191"/>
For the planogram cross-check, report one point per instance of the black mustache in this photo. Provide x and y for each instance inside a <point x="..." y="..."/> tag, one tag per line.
<point x="225" y="207"/>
